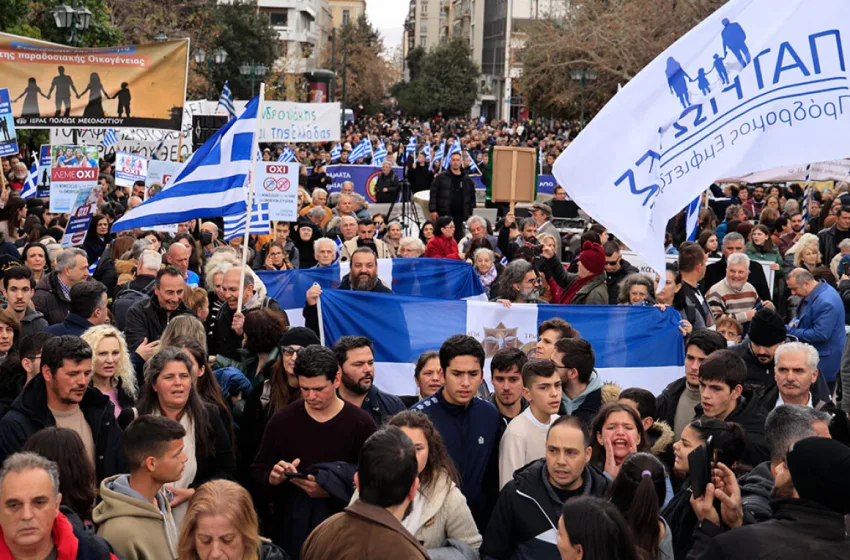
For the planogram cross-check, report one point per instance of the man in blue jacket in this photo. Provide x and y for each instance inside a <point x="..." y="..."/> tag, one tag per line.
<point x="468" y="424"/>
<point x="819" y="321"/>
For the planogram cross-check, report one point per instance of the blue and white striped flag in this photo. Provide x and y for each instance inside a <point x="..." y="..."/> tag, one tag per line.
<point x="286" y="156"/>
<point x="363" y="149"/>
<point x="31" y="182"/>
<point x="210" y="184"/>
<point x="427" y="151"/>
<point x="692" y="219"/>
<point x="410" y="149"/>
<point x="336" y="152"/>
<point x="380" y="153"/>
<point x="109" y="138"/>
<point x="473" y="167"/>
<point x="226" y="100"/>
<point x="234" y="225"/>
<point x="455" y="149"/>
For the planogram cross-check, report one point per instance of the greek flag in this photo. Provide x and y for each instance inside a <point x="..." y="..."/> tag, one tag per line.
<point x="363" y="149"/>
<point x="427" y="151"/>
<point x="455" y="149"/>
<point x="31" y="182"/>
<point x="692" y="220"/>
<point x="380" y="153"/>
<point x="226" y="100"/>
<point x="286" y="156"/>
<point x="234" y="225"/>
<point x="336" y="152"/>
<point x="410" y="149"/>
<point x="109" y="138"/>
<point x="210" y="184"/>
<point x="473" y="167"/>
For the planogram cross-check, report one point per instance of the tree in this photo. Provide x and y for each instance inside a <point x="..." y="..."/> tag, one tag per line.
<point x="415" y="59"/>
<point x="617" y="38"/>
<point x="33" y="18"/>
<point x="451" y="78"/>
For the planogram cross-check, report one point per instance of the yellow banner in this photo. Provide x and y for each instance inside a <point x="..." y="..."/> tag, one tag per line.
<point x="53" y="86"/>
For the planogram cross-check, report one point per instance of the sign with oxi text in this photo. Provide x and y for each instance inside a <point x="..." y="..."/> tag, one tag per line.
<point x="284" y="121"/>
<point x="72" y="167"/>
<point x="45" y="164"/>
<point x="129" y="168"/>
<point x="85" y="206"/>
<point x="757" y="85"/>
<point x="277" y="186"/>
<point x="8" y="138"/>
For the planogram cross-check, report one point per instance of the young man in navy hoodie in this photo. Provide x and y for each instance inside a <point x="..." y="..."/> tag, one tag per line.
<point x="468" y="424"/>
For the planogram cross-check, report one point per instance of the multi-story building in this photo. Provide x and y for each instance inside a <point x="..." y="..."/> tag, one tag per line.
<point x="347" y="11"/>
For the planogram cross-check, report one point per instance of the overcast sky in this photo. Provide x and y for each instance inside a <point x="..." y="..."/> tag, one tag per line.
<point x="388" y="16"/>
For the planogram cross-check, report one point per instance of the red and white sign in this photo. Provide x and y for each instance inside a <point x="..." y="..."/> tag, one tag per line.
<point x="277" y="185"/>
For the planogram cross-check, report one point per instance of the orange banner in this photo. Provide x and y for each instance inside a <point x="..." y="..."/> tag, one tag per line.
<point x="136" y="86"/>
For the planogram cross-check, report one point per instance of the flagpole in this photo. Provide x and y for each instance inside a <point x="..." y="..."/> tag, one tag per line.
<point x="252" y="177"/>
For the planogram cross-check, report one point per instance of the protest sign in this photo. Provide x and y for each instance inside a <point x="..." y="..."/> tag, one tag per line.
<point x="72" y="167"/>
<point x="8" y="138"/>
<point x="44" y="166"/>
<point x="277" y="185"/>
<point x="85" y="206"/>
<point x="284" y="121"/>
<point x="131" y="86"/>
<point x="129" y="168"/>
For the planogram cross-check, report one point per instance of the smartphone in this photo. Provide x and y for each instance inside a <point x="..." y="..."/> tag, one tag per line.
<point x="295" y="475"/>
<point x="700" y="466"/>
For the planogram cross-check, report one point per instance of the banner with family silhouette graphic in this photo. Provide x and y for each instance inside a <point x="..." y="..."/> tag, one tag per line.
<point x="757" y="85"/>
<point x="54" y="86"/>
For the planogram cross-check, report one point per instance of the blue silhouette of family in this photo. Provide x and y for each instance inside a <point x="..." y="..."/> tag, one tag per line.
<point x="734" y="42"/>
<point x="63" y="85"/>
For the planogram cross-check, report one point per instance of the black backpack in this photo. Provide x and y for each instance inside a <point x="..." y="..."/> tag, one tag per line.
<point x="125" y="299"/>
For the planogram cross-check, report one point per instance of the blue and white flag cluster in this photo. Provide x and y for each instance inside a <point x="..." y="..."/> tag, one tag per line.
<point x="234" y="225"/>
<point x="226" y="100"/>
<point x="210" y="184"/>
<point x="635" y="346"/>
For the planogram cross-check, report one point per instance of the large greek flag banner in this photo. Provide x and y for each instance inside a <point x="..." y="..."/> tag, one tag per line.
<point x="635" y="346"/>
<point x="429" y="278"/>
<point x="757" y="85"/>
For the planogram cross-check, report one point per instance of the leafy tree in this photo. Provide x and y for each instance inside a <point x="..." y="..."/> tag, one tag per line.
<point x="451" y="78"/>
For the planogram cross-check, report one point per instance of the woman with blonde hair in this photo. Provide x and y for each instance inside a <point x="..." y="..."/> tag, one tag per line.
<point x="112" y="372"/>
<point x="221" y="523"/>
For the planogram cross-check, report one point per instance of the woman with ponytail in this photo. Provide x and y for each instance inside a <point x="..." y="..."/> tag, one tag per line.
<point x="638" y="492"/>
<point x="728" y="441"/>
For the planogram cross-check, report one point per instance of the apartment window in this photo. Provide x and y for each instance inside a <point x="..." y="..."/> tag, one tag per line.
<point x="279" y="19"/>
<point x="346" y="17"/>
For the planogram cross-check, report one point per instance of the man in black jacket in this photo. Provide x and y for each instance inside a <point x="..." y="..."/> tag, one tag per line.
<point x="356" y="358"/>
<point x="61" y="396"/>
<point x="525" y="519"/>
<point x="363" y="277"/>
<point x="147" y="318"/>
<point x="453" y="194"/>
<point x="813" y="496"/>
<point x="734" y="243"/>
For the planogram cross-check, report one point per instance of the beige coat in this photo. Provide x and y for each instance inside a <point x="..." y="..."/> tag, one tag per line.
<point x="446" y="516"/>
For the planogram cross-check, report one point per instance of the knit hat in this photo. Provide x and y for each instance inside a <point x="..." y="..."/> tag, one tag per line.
<point x="592" y="256"/>
<point x="767" y="328"/>
<point x="819" y="469"/>
<point x="301" y="336"/>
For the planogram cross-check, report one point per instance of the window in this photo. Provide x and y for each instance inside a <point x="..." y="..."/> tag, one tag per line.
<point x="278" y="19"/>
<point x="346" y="17"/>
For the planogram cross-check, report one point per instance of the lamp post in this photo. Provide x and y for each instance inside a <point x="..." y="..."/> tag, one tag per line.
<point x="255" y="71"/>
<point x="75" y="17"/>
<point x="218" y="56"/>
<point x="583" y="75"/>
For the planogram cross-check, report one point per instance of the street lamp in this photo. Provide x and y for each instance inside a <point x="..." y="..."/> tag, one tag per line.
<point x="583" y="75"/>
<point x="256" y="71"/>
<point x="218" y="56"/>
<point x="74" y="17"/>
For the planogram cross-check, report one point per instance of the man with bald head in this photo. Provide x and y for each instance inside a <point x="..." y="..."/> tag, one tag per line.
<point x="227" y="335"/>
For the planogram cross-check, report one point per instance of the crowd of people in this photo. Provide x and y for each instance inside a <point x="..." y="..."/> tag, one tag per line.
<point x="144" y="414"/>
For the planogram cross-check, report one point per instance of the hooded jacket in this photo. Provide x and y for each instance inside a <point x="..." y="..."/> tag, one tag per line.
<point x="136" y="528"/>
<point x="587" y="403"/>
<point x="49" y="299"/>
<point x="29" y="413"/>
<point x="524" y="524"/>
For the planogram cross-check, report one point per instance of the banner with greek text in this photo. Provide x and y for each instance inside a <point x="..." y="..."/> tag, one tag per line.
<point x="757" y="85"/>
<point x="132" y="86"/>
<point x="285" y="121"/>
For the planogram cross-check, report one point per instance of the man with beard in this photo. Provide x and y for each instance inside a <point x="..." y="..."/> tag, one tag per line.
<point x="362" y="278"/>
<point x="519" y="283"/>
<point x="734" y="295"/>
<point x="356" y="358"/>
